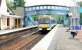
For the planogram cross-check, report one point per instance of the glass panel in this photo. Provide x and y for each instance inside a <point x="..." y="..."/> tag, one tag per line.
<point x="33" y="8"/>
<point x="41" y="7"/>
<point x="45" y="7"/>
<point x="29" y="9"/>
<point x="37" y="8"/>
<point x="49" y="7"/>
<point x="52" y="7"/>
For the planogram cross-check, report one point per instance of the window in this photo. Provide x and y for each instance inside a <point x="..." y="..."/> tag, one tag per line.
<point x="45" y="7"/>
<point x="52" y="7"/>
<point x="8" y="20"/>
<point x="41" y="7"/>
<point x="29" y="9"/>
<point x="49" y="7"/>
<point x="37" y="8"/>
<point x="34" y="8"/>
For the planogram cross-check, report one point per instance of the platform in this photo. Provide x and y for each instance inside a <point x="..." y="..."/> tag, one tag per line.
<point x="66" y="42"/>
<point x="14" y="30"/>
<point x="79" y="35"/>
<point x="58" y="39"/>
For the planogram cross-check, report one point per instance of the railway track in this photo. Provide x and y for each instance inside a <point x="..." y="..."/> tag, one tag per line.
<point x="22" y="41"/>
<point x="12" y="36"/>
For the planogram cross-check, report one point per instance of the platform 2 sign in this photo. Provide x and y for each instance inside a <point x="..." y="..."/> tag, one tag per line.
<point x="75" y="24"/>
<point x="76" y="27"/>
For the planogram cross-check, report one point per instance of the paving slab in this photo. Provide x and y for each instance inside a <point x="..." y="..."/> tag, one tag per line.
<point x="66" y="42"/>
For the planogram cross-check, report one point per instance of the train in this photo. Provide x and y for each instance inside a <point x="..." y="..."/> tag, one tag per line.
<point x="44" y="22"/>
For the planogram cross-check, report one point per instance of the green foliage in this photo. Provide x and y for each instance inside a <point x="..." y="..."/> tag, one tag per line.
<point x="19" y="3"/>
<point x="81" y="18"/>
<point x="10" y="6"/>
<point x="81" y="14"/>
<point x="35" y="17"/>
<point x="13" y="4"/>
<point x="81" y="4"/>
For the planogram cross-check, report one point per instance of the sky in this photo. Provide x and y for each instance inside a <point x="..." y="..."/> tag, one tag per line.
<point x="51" y="2"/>
<point x="3" y="7"/>
<point x="63" y="0"/>
<point x="57" y="1"/>
<point x="78" y="0"/>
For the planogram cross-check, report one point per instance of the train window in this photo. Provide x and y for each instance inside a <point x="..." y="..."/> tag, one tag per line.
<point x="43" y="20"/>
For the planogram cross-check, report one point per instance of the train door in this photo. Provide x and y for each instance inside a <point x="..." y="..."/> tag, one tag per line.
<point x="17" y="23"/>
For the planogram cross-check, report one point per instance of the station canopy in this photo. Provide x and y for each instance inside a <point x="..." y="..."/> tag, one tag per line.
<point x="68" y="3"/>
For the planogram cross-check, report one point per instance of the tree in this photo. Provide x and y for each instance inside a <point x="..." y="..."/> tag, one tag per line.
<point x="80" y="4"/>
<point x="81" y="18"/>
<point x="13" y="4"/>
<point x="10" y="6"/>
<point x="81" y="14"/>
<point x="19" y="3"/>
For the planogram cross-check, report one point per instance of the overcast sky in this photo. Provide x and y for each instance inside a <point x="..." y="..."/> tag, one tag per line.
<point x="78" y="0"/>
<point x="63" y="0"/>
<point x="50" y="2"/>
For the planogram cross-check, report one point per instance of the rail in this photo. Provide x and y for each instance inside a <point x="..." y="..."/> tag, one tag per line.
<point x="49" y="42"/>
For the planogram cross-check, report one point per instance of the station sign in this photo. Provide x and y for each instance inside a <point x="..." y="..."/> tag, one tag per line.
<point x="78" y="27"/>
<point x="75" y="24"/>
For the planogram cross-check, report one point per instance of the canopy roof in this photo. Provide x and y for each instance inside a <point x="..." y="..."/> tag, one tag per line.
<point x="68" y="3"/>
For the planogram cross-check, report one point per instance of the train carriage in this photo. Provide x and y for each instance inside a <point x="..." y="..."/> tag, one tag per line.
<point x="44" y="22"/>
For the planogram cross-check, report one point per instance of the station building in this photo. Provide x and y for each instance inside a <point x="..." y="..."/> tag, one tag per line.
<point x="8" y="21"/>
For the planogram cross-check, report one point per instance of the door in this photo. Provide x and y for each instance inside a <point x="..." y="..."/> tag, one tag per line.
<point x="17" y="23"/>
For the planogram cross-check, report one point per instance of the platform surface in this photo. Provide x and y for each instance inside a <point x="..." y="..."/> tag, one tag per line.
<point x="66" y="42"/>
<point x="14" y="30"/>
<point x="58" y="39"/>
